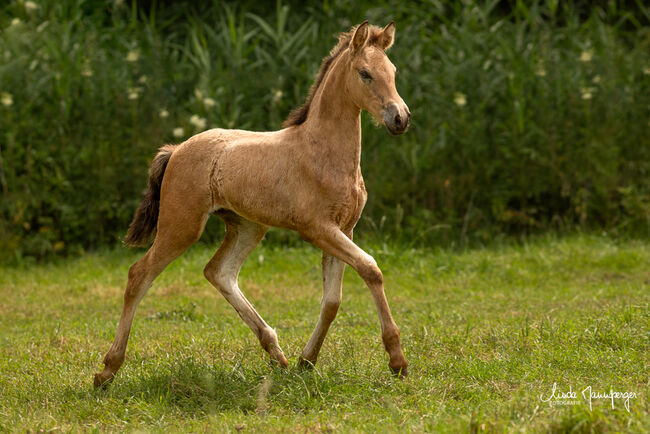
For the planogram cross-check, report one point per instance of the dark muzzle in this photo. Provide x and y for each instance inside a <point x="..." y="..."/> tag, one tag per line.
<point x="397" y="121"/>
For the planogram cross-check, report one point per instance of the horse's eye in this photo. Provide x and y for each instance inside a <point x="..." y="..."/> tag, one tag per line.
<point x="365" y="75"/>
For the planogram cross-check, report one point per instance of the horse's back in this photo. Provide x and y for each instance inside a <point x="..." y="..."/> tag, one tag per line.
<point x="213" y="168"/>
<point x="254" y="175"/>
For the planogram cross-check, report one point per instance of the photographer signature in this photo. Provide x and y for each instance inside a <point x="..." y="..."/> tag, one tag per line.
<point x="588" y="394"/>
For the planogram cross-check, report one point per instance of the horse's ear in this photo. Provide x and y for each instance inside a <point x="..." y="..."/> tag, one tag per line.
<point x="387" y="36"/>
<point x="360" y="36"/>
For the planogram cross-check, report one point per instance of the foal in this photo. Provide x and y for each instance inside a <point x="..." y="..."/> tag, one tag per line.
<point x="305" y="177"/>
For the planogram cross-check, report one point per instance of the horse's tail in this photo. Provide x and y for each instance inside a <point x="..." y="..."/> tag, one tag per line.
<point x="145" y="220"/>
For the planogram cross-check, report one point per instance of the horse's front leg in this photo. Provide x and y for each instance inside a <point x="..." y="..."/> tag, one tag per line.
<point x="334" y="242"/>
<point x="332" y="289"/>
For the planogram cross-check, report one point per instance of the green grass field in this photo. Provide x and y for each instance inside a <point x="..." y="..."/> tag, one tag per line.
<point x="486" y="332"/>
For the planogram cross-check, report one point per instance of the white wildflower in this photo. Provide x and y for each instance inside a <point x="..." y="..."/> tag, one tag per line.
<point x="33" y="64"/>
<point x="540" y="71"/>
<point x="16" y="22"/>
<point x="646" y="70"/>
<point x="134" y="92"/>
<point x="198" y="94"/>
<point x="460" y="99"/>
<point x="587" y="92"/>
<point x="86" y="71"/>
<point x="163" y="113"/>
<point x="143" y="79"/>
<point x="42" y="26"/>
<point x="277" y="96"/>
<point x="30" y="6"/>
<point x="586" y="55"/>
<point x="596" y="79"/>
<point x="132" y="56"/>
<point x="209" y="102"/>
<point x="6" y="99"/>
<point x="198" y="122"/>
<point x="178" y="132"/>
<point x="496" y="26"/>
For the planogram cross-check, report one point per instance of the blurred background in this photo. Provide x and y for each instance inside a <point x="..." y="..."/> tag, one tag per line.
<point x="528" y="116"/>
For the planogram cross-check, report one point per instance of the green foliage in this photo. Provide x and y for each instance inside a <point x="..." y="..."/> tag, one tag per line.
<point x="525" y="118"/>
<point x="520" y="123"/>
<point x="486" y="332"/>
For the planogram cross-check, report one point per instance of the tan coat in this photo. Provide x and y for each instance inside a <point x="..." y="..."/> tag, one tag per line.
<point x="305" y="177"/>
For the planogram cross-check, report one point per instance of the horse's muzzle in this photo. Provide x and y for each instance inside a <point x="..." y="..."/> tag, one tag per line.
<point x="396" y="120"/>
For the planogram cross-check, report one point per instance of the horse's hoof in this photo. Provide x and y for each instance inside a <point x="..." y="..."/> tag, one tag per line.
<point x="102" y="382"/>
<point x="279" y="361"/>
<point x="306" y="364"/>
<point x="399" y="372"/>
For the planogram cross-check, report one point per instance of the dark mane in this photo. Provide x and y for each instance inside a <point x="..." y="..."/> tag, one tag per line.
<point x="299" y="115"/>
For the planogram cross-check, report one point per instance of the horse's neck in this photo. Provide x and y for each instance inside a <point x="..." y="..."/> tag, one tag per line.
<point x="334" y="124"/>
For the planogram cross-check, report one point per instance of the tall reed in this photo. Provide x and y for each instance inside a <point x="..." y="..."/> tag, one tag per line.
<point x="527" y="116"/>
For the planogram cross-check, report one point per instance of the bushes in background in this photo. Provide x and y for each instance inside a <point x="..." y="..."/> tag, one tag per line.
<point x="525" y="118"/>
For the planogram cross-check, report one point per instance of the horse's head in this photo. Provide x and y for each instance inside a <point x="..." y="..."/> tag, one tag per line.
<point x="371" y="77"/>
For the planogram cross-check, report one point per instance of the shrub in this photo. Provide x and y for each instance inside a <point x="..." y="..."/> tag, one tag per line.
<point x="524" y="118"/>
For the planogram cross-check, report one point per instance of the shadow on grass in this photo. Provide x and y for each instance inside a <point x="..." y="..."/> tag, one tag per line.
<point x="196" y="388"/>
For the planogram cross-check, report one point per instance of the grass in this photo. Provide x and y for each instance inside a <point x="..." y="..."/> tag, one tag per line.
<point x="486" y="331"/>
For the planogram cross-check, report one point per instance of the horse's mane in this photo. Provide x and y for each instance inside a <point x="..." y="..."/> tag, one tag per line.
<point x="299" y="115"/>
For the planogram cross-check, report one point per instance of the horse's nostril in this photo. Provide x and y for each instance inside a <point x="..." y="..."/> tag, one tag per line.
<point x="398" y="120"/>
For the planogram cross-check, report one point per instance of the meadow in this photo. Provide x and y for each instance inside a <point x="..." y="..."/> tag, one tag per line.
<point x="511" y="221"/>
<point x="488" y="331"/>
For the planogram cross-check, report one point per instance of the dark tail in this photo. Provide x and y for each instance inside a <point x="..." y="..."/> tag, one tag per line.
<point x="144" y="223"/>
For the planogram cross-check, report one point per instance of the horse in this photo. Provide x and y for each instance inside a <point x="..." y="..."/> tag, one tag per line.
<point x="305" y="177"/>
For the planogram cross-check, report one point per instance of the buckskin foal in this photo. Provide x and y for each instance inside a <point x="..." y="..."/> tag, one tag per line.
<point x="305" y="177"/>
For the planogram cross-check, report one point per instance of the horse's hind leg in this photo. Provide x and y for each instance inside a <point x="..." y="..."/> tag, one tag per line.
<point x="223" y="269"/>
<point x="177" y="230"/>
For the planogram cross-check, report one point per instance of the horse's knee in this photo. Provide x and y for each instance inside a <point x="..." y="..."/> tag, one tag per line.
<point x="370" y="272"/>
